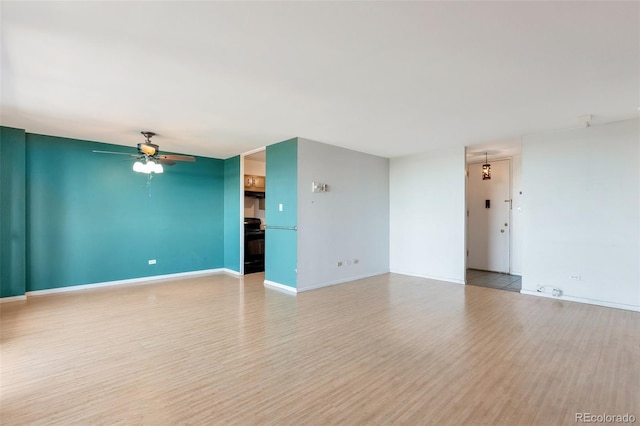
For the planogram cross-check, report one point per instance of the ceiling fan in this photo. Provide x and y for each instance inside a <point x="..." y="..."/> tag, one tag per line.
<point x="149" y="159"/>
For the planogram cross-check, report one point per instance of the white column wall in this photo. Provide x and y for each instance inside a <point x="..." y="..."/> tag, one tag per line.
<point x="427" y="215"/>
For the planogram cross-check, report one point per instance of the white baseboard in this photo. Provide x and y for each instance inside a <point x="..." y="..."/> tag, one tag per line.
<point x="13" y="298"/>
<point x="278" y="286"/>
<point x="340" y="281"/>
<point x="583" y="300"/>
<point x="142" y="280"/>
<point x="229" y="271"/>
<point x="431" y="277"/>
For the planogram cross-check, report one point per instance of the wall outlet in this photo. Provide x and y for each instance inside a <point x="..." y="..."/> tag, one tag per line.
<point x="280" y="207"/>
<point x="152" y="261"/>
<point x="339" y="263"/>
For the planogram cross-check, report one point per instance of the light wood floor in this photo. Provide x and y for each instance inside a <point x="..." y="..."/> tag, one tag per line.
<point x="385" y="350"/>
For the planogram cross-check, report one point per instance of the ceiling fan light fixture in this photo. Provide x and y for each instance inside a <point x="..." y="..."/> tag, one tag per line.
<point x="148" y="159"/>
<point x="148" y="167"/>
<point x="148" y="148"/>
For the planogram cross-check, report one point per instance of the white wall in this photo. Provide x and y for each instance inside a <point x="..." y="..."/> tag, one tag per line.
<point x="581" y="213"/>
<point x="252" y="208"/>
<point x="350" y="221"/>
<point x="257" y="168"/>
<point x="427" y="215"/>
<point x="516" y="215"/>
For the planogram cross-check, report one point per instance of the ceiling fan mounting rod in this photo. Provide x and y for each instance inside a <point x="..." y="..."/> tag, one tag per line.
<point x="148" y="135"/>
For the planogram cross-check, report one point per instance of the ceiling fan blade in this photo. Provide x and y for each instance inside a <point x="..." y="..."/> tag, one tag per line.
<point x="166" y="161"/>
<point x="117" y="153"/>
<point x="178" y="158"/>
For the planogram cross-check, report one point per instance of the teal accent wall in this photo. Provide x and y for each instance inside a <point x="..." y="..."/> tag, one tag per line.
<point x="91" y="219"/>
<point x="12" y="212"/>
<point x="232" y="215"/>
<point x="281" y="246"/>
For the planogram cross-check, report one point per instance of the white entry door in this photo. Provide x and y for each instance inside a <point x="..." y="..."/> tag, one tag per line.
<point x="489" y="211"/>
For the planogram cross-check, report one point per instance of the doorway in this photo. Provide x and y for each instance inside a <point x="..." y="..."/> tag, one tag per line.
<point x="254" y="175"/>
<point x="489" y="225"/>
<point x="489" y="217"/>
<point x="494" y="258"/>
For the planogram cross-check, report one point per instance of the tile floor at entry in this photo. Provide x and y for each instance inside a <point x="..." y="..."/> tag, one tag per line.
<point x="494" y="280"/>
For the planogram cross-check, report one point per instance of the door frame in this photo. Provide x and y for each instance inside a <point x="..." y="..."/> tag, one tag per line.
<point x="466" y="209"/>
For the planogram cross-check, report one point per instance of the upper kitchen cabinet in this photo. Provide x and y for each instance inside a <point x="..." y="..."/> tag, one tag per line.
<point x="254" y="183"/>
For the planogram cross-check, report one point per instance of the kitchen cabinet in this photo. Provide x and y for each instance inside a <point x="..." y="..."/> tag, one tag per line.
<point x="254" y="183"/>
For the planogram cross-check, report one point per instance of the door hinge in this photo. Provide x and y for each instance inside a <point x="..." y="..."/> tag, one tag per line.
<point x="467" y="253"/>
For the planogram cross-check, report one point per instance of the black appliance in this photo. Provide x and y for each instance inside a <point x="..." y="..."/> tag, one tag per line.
<point x="253" y="246"/>
<point x="254" y="194"/>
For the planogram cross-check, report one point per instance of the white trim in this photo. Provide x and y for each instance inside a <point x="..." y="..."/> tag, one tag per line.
<point x="340" y="281"/>
<point x="278" y="286"/>
<point x="241" y="218"/>
<point x="465" y="253"/>
<point x="583" y="300"/>
<point x="13" y="298"/>
<point x="253" y="151"/>
<point x="142" y="280"/>
<point x="443" y="279"/>
<point x="229" y="271"/>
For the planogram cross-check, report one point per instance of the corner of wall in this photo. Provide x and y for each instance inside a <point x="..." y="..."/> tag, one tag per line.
<point x="232" y="217"/>
<point x="12" y="212"/>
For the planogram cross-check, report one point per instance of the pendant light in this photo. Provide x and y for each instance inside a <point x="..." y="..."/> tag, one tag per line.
<point x="486" y="169"/>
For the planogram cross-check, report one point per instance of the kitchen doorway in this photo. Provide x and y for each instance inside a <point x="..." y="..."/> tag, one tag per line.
<point x="254" y="175"/>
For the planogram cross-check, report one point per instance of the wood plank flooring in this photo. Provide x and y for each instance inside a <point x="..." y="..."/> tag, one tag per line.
<point x="385" y="350"/>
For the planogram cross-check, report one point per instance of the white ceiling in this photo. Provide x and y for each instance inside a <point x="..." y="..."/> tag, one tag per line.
<point x="260" y="156"/>
<point x="389" y="78"/>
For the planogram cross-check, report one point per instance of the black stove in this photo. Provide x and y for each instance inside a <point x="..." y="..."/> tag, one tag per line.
<point x="253" y="245"/>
